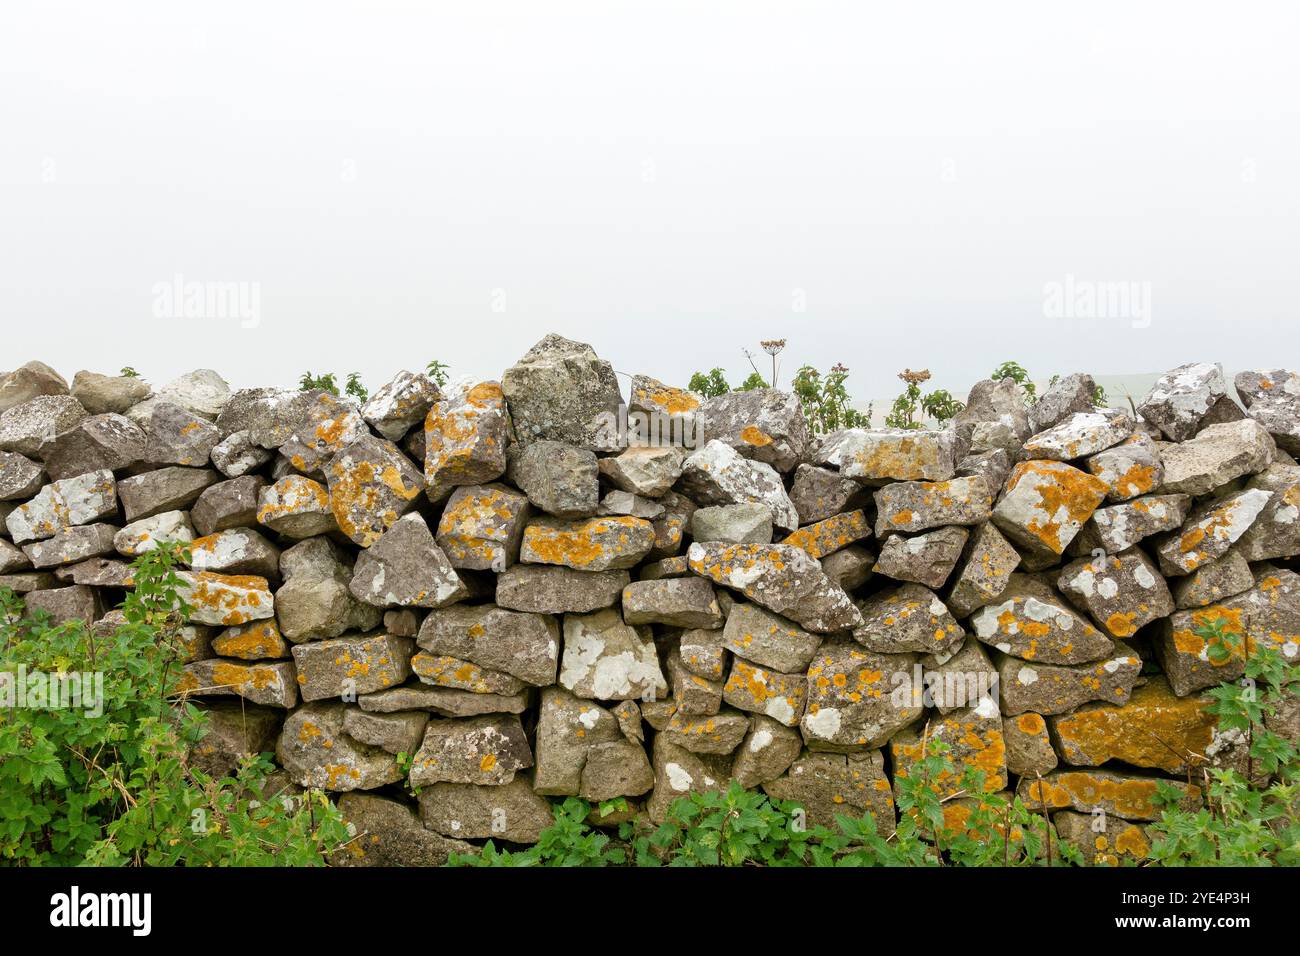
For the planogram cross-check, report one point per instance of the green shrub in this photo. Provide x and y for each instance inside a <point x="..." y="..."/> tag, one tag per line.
<point x="116" y="787"/>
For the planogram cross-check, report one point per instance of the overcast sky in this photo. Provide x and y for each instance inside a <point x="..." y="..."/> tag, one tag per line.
<point x="885" y="185"/>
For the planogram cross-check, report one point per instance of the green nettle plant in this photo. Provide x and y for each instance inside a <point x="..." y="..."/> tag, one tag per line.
<point x="710" y="384"/>
<point x="308" y="382"/>
<point x="1016" y="372"/>
<point x="437" y="372"/>
<point x="825" y="399"/>
<point x="109" y="782"/>
<point x="742" y="827"/>
<point x="355" y="388"/>
<point x="938" y="404"/>
<point x="1250" y="818"/>
<point x="129" y="372"/>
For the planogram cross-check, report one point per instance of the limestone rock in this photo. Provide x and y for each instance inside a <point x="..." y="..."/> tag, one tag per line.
<point x="1123" y="592"/>
<point x="1059" y="688"/>
<point x="918" y="505"/>
<point x="104" y="394"/>
<point x="660" y="414"/>
<point x="29" y="381"/>
<point x="465" y="438"/>
<point x="857" y="699"/>
<point x="559" y="479"/>
<point x="225" y="599"/>
<point x="237" y="551"/>
<point x="170" y="527"/>
<point x="487" y="750"/>
<point x="552" y="589"/>
<point x="227" y="504"/>
<point x="1131" y="468"/>
<point x="1275" y="532"/>
<point x="1118" y="527"/>
<point x="20" y="477"/>
<point x="986" y="565"/>
<point x="237" y="455"/>
<point x="405" y="568"/>
<point x="974" y="738"/>
<point x="1127" y="796"/>
<point x="1081" y="435"/>
<point x="782" y="578"/>
<point x="512" y="812"/>
<point x="1210" y="531"/>
<point x="70" y="545"/>
<point x="315" y="601"/>
<point x="592" y="544"/>
<point x="677" y="602"/>
<point x="27" y="427"/>
<point x="348" y="666"/>
<point x="561" y="391"/>
<point x="317" y="753"/>
<point x="748" y="523"/>
<point x="1045" y="504"/>
<point x="1214" y="582"/>
<point x="1029" y="621"/>
<point x="828" y="536"/>
<point x="927" y="558"/>
<point x="1101" y="839"/>
<point x="766" y="753"/>
<point x="897" y="454"/>
<point x="255" y="641"/>
<point x="826" y="785"/>
<point x="176" y="437"/>
<point x="167" y="489"/>
<point x="1216" y="456"/>
<point x="646" y="470"/>
<point x="759" y="636"/>
<point x="296" y="507"/>
<point x="1153" y="729"/>
<point x="523" y="645"/>
<point x="1029" y="747"/>
<point x="764" y="424"/>
<point x="907" y="618"/>
<point x="819" y="493"/>
<point x="1061" y="399"/>
<point x="271" y="685"/>
<point x="1180" y="398"/>
<point x="371" y="485"/>
<point x="762" y="691"/>
<point x="389" y="834"/>
<point x="63" y="504"/>
<point x="92" y="444"/>
<point x="606" y="659"/>
<point x="717" y="475"/>
<point x="401" y="404"/>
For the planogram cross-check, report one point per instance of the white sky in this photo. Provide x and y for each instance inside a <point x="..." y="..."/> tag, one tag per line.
<point x="666" y="181"/>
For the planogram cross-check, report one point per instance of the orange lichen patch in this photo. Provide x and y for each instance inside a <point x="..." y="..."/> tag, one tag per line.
<point x="1187" y="641"/>
<point x="1121" y="623"/>
<point x="1153" y="729"/>
<point x="829" y="536"/>
<point x="227" y="599"/>
<point x="1067" y="497"/>
<point x="1137" y="480"/>
<point x="582" y="544"/>
<point x="1133" y="842"/>
<point x="487" y="763"/>
<point x="1031" y="724"/>
<point x="242" y="678"/>
<point x="672" y="401"/>
<point x="977" y="744"/>
<point x="1125" y="797"/>
<point x="293" y="494"/>
<point x="251" y="642"/>
<point x="453" y="672"/>
<point x="900" y="458"/>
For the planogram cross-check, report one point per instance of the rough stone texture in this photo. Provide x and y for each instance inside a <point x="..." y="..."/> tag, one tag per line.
<point x="985" y="568"/>
<point x="1122" y="592"/>
<point x="1210" y="531"/>
<point x="406" y="568"/>
<point x="1080" y="435"/>
<point x="819" y="493"/>
<point x="465" y="439"/>
<point x="549" y="589"/>
<point x="557" y="478"/>
<point x="908" y="618"/>
<point x="606" y="659"/>
<point x="782" y="578"/>
<point x="764" y="424"/>
<point x="922" y="558"/>
<point x="561" y="391"/>
<point x="653" y="610"/>
<point x="854" y="699"/>
<point x="1179" y="400"/>
<point x="1153" y="729"/>
<point x="1216" y="456"/>
<point x="1131" y="468"/>
<point x="348" y="666"/>
<point x="749" y="523"/>
<point x="717" y="475"/>
<point x="1045" y="503"/>
<point x="1102" y="839"/>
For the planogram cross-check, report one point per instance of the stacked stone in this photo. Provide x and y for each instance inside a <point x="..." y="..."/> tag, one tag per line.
<point x="531" y="589"/>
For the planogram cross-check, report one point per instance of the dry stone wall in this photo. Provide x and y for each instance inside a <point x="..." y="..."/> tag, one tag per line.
<point x="541" y="587"/>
